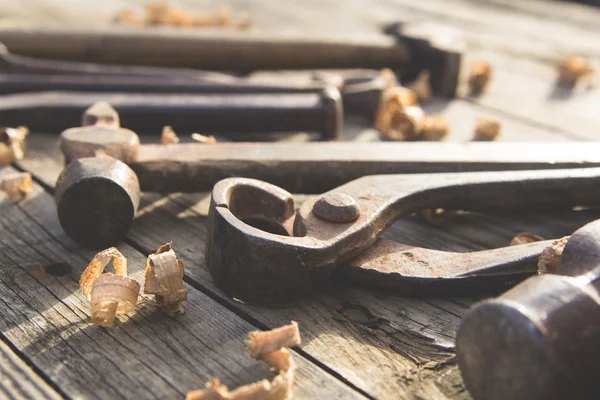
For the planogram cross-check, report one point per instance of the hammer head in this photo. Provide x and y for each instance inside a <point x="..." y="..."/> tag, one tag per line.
<point x="100" y="113"/>
<point x="539" y="340"/>
<point x="99" y="134"/>
<point x="96" y="200"/>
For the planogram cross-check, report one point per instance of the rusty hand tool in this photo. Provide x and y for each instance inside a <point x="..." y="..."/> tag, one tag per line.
<point x="241" y="113"/>
<point x="311" y="167"/>
<point x="19" y="64"/>
<point x="239" y="51"/>
<point x="539" y="340"/>
<point x="249" y="262"/>
<point x="435" y="48"/>
<point x="302" y="167"/>
<point x="361" y="97"/>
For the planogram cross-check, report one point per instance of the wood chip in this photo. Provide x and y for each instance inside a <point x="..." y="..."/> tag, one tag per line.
<point x="12" y="144"/>
<point x="109" y="294"/>
<point x="270" y="347"/>
<point x="487" y="129"/>
<point x="204" y="139"/>
<point x="261" y="343"/>
<point x="434" y="128"/>
<point x="164" y="279"/>
<point x="479" y="76"/>
<point x="525" y="237"/>
<point x="163" y="14"/>
<point x="572" y="69"/>
<point x="437" y="216"/>
<point x="17" y="185"/>
<point x="405" y="124"/>
<point x="549" y="260"/>
<point x="168" y="136"/>
<point x="422" y="87"/>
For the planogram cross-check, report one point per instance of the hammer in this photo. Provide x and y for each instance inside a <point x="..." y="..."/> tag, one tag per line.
<point x="247" y="51"/>
<point x="541" y="339"/>
<point x="101" y="213"/>
<point x="319" y="112"/>
<point x="362" y="91"/>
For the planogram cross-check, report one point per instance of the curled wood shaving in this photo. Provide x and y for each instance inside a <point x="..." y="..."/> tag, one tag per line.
<point x="389" y="78"/>
<point x="437" y="216"/>
<point x="404" y="124"/>
<point x="487" y="129"/>
<point x="168" y="136"/>
<point x="434" y="128"/>
<point x="571" y="70"/>
<point x="261" y="343"/>
<point x="109" y="294"/>
<point x="204" y="139"/>
<point x="549" y="260"/>
<point x="422" y="87"/>
<point x="17" y="185"/>
<point x="164" y="279"/>
<point x="525" y="237"/>
<point x="163" y="14"/>
<point x="269" y="347"/>
<point x="479" y="76"/>
<point x="12" y="144"/>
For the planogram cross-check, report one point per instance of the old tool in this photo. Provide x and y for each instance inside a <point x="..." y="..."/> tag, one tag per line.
<point x="359" y="96"/>
<point x="19" y="64"/>
<point x="260" y="249"/>
<point x="301" y="167"/>
<point x="239" y="51"/>
<point x="539" y="340"/>
<point x="311" y="167"/>
<point x="211" y="113"/>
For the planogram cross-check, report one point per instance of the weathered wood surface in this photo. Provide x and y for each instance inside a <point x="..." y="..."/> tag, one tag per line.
<point x="147" y="354"/>
<point x="18" y="381"/>
<point x="386" y="345"/>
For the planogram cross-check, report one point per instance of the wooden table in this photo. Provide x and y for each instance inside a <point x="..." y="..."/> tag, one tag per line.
<point x="356" y="342"/>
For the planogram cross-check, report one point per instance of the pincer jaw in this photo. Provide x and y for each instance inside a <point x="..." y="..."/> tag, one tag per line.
<point x="252" y="264"/>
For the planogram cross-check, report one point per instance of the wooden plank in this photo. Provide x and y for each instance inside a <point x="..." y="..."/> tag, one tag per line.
<point x="18" y="381"/>
<point x="375" y="360"/>
<point x="414" y="338"/>
<point x="146" y="353"/>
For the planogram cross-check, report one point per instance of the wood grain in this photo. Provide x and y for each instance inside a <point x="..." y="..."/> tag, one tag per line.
<point x="146" y="353"/>
<point x="18" y="381"/>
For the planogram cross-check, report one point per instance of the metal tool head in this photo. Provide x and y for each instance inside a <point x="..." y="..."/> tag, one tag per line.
<point x="296" y="255"/>
<point x="96" y="200"/>
<point x="100" y="133"/>
<point x="539" y="340"/>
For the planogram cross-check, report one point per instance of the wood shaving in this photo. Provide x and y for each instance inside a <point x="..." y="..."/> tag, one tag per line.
<point x="17" y="185"/>
<point x="404" y="124"/>
<point x="525" y="237"/>
<point x="164" y="279"/>
<point x="437" y="216"/>
<point x="168" y="136"/>
<point x="389" y="78"/>
<point x="571" y="70"/>
<point x="261" y="343"/>
<point x="204" y="139"/>
<point x="479" y="76"/>
<point x="127" y="17"/>
<point x="549" y="260"/>
<point x="12" y="144"/>
<point x="434" y="128"/>
<point x="422" y="87"/>
<point x="163" y="14"/>
<point x="487" y="129"/>
<point x="109" y="294"/>
<point x="270" y="347"/>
